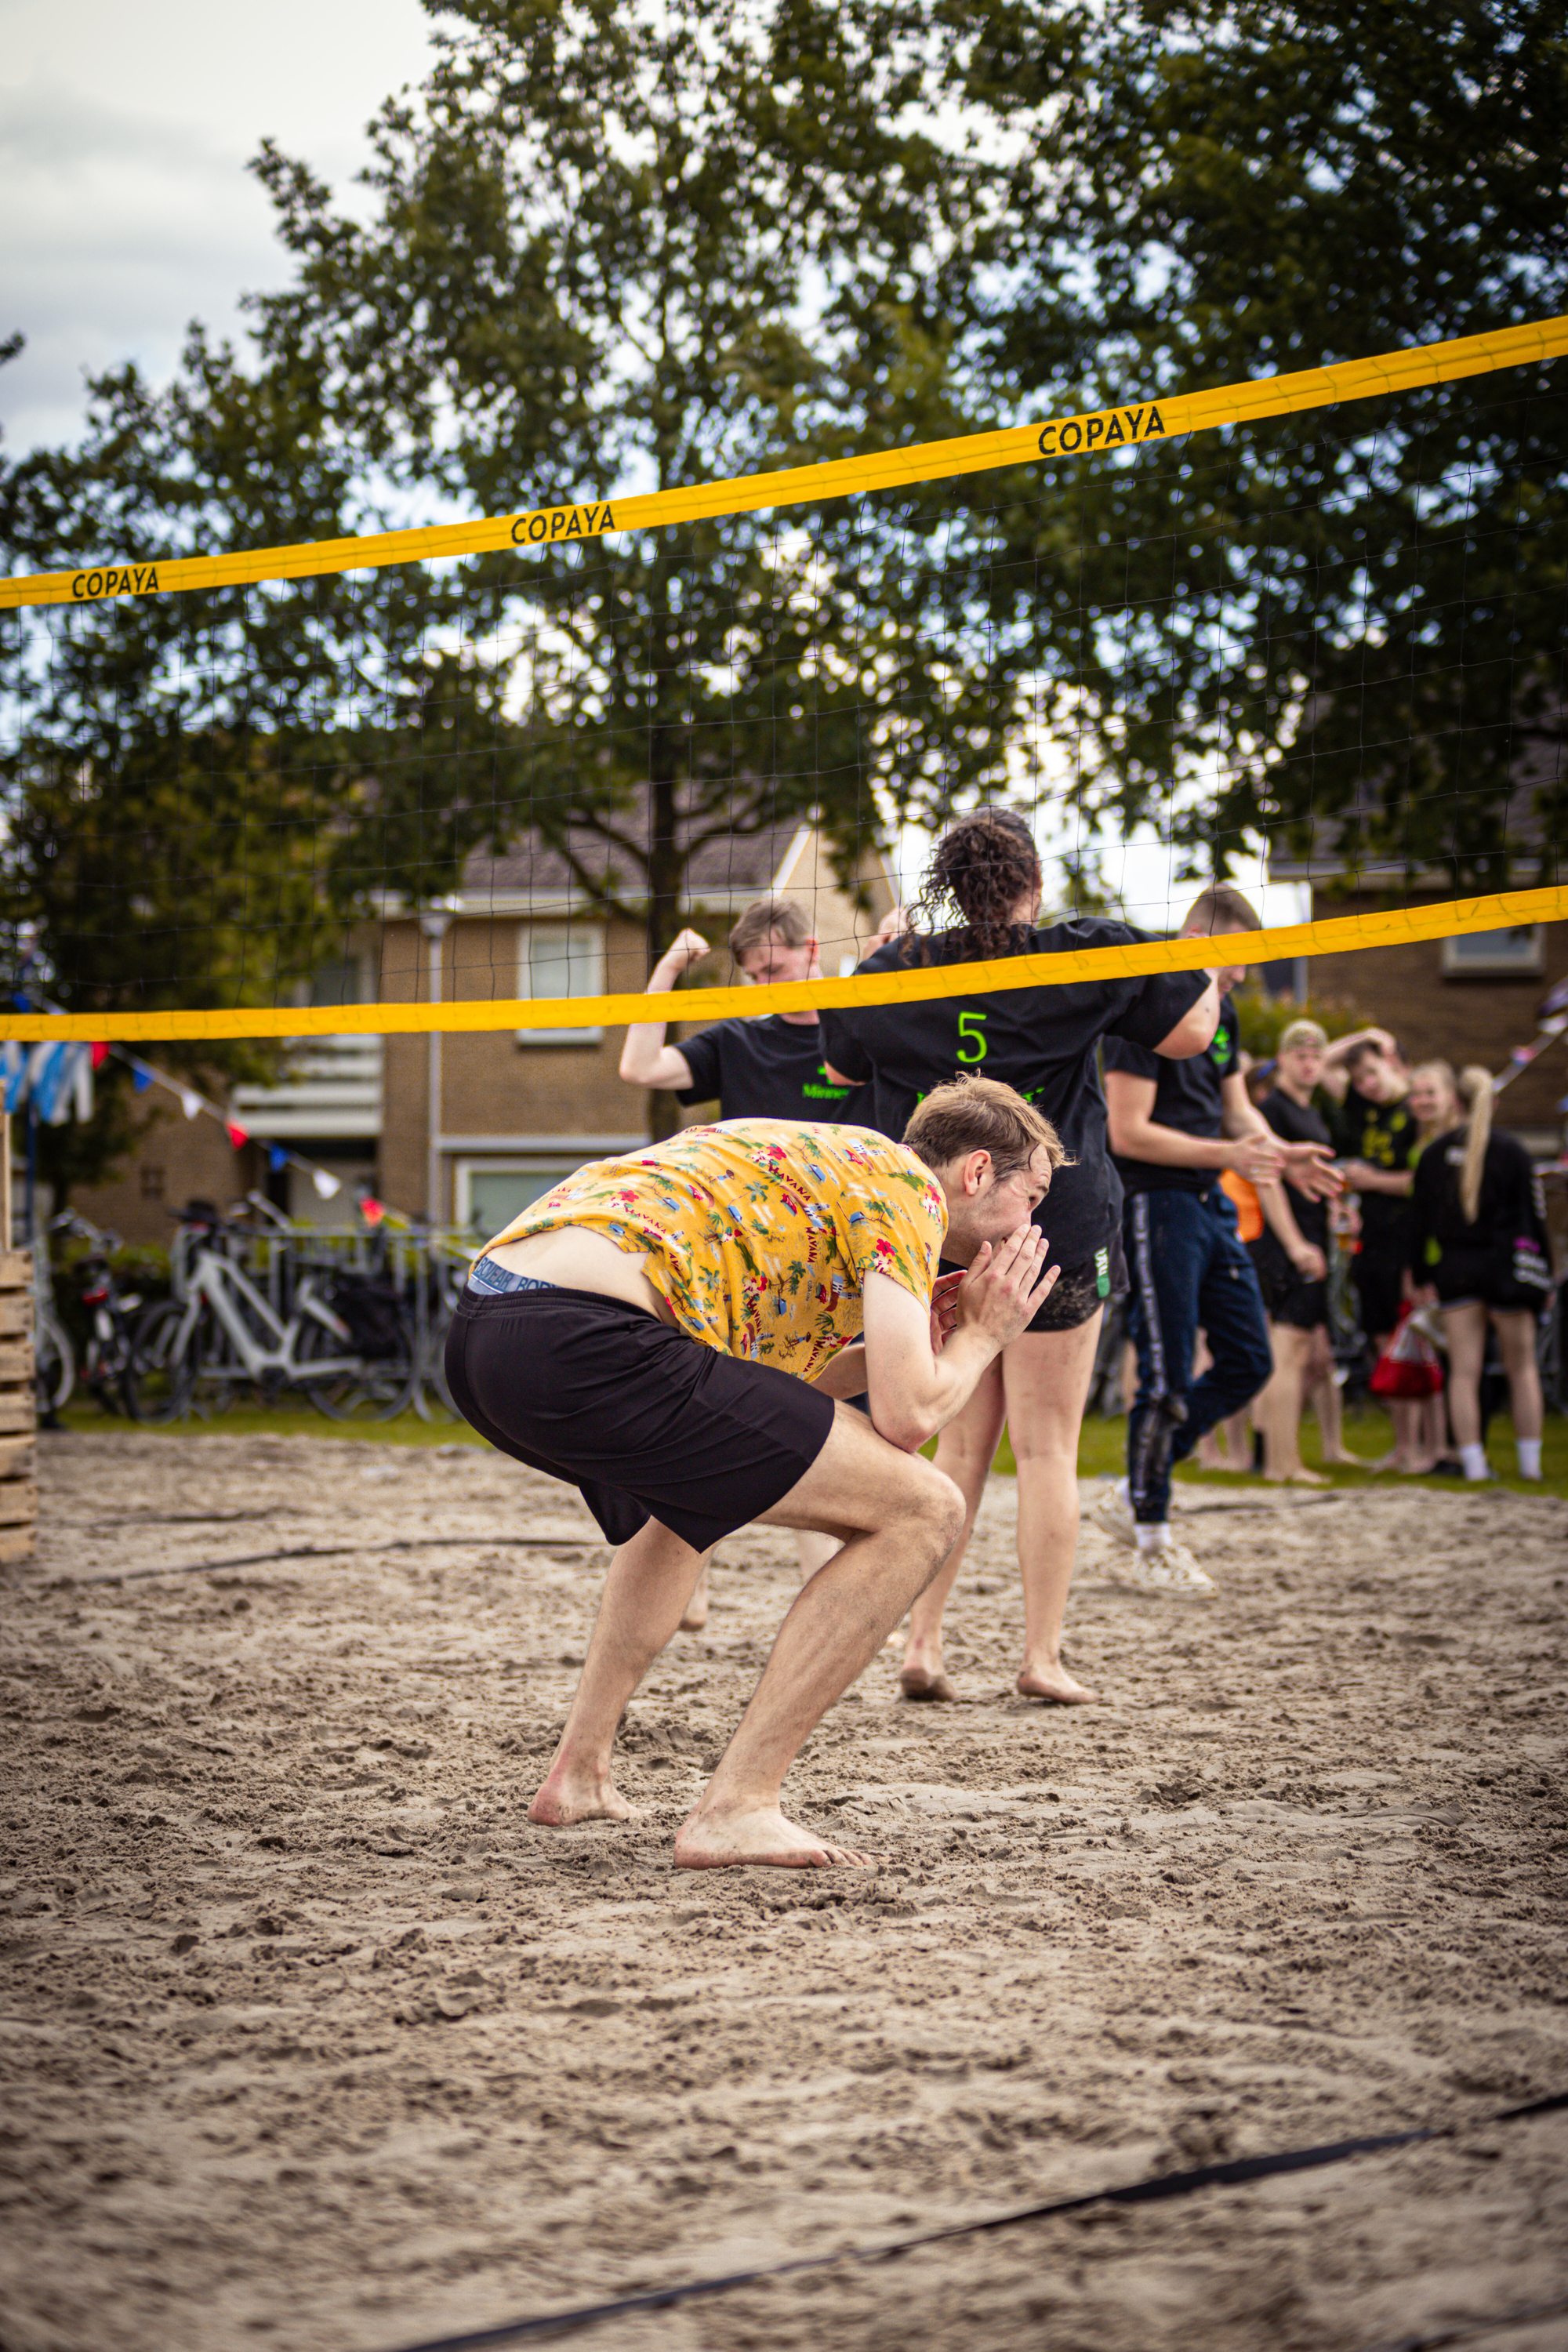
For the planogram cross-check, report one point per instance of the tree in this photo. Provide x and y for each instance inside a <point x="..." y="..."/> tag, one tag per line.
<point x="1343" y="631"/>
<point x="614" y="244"/>
<point x="201" y="793"/>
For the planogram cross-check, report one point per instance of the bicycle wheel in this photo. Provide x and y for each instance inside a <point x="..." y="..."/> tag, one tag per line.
<point x="377" y="1389"/>
<point x="54" y="1360"/>
<point x="160" y="1379"/>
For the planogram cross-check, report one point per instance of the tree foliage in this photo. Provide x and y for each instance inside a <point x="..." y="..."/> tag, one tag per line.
<point x="1344" y="631"/>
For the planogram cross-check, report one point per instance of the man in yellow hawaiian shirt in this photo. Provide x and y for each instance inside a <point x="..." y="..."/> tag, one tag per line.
<point x="669" y="1332"/>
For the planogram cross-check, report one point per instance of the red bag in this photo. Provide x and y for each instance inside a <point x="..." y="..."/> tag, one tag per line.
<point x="1409" y="1366"/>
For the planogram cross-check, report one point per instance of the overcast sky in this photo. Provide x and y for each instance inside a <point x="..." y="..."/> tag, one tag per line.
<point x="125" y="206"/>
<point x="126" y="209"/>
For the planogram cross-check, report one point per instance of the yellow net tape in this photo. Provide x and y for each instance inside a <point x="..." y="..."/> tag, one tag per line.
<point x="1396" y="927"/>
<point x="1089" y="434"/>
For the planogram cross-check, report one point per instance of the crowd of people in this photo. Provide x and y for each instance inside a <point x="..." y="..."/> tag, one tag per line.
<point x="907" y="1221"/>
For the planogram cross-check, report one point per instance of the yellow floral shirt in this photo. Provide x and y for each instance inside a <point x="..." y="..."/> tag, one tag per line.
<point x="760" y="1233"/>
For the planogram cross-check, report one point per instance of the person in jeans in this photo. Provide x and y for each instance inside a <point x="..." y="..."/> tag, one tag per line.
<point x="1174" y="1128"/>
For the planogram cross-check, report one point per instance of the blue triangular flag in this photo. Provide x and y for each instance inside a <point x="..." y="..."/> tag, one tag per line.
<point x="276" y="1159"/>
<point x="140" y="1077"/>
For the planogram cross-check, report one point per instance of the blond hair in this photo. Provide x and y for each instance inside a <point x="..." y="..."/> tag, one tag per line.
<point x="981" y="1114"/>
<point x="1477" y="1093"/>
<point x="771" y="914"/>
<point x="1304" y="1033"/>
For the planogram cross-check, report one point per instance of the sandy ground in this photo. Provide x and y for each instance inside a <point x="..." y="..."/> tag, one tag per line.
<point x="309" y="2039"/>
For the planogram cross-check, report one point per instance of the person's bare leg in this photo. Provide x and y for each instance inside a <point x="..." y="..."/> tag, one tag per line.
<point x="647" y="1589"/>
<point x="1327" y="1404"/>
<point x="1278" y="1409"/>
<point x="1515" y="1328"/>
<point x="811" y="1549"/>
<point x="694" y="1616"/>
<point x="898" y="1516"/>
<point x="964" y="1452"/>
<point x="1237" y="1435"/>
<point x="1466" y="1327"/>
<point x="1046" y="1375"/>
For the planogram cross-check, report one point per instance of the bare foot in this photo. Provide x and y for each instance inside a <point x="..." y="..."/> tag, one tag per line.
<point x="574" y="1794"/>
<point x="757" y="1839"/>
<point x="1055" y="1683"/>
<point x="916" y="1682"/>
<point x="1351" y="1461"/>
<point x="696" y="1613"/>
<point x="1298" y="1477"/>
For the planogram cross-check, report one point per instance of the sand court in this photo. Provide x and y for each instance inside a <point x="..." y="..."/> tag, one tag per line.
<point x="308" y="2037"/>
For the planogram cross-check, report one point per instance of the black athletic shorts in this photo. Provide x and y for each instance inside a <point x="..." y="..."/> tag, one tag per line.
<point x="1080" y="1289"/>
<point x="1379" y="1289"/>
<point x="1303" y="1305"/>
<point x="645" y="1421"/>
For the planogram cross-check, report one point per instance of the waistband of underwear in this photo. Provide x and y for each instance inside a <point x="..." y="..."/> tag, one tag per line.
<point x="486" y="1275"/>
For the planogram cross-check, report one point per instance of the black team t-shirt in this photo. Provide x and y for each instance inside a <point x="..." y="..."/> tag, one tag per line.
<point x="765" y="1068"/>
<point x="1186" y="1096"/>
<point x="1041" y="1041"/>
<point x="1299" y="1123"/>
<point x="1385" y="1135"/>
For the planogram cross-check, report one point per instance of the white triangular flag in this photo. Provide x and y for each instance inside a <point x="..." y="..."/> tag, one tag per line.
<point x="190" y="1104"/>
<point x="325" y="1185"/>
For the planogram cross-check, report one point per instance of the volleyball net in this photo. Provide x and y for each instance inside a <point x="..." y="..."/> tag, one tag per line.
<point x="476" y="776"/>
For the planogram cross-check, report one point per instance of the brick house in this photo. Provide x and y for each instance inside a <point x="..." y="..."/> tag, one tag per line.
<point x="514" y="1110"/>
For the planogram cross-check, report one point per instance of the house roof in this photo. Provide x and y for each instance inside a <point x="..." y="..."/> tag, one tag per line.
<point x="731" y="866"/>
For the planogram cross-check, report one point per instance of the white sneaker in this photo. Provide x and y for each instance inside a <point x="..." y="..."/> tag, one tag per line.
<point x="1113" y="1514"/>
<point x="1171" y="1569"/>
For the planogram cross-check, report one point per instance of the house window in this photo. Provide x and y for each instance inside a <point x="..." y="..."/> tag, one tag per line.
<point x="560" y="960"/>
<point x="1484" y="954"/>
<point x="489" y="1193"/>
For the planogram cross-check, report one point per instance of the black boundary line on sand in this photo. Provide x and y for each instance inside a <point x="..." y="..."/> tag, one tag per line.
<point x="1237" y="2172"/>
<point x="327" y="1551"/>
<point x="1465" y="2331"/>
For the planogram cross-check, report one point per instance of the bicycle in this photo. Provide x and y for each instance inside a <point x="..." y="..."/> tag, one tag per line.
<point x="338" y="1344"/>
<point x="54" y="1358"/>
<point x="106" y="1354"/>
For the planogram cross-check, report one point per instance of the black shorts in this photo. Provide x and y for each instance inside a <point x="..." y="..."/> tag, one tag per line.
<point x="1303" y="1305"/>
<point x="1081" y="1289"/>
<point x="645" y="1421"/>
<point x="1380" y="1290"/>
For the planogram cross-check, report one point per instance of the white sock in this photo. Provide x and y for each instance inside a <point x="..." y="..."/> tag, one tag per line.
<point x="1529" y="1456"/>
<point x="1155" y="1538"/>
<point x="1124" y="1491"/>
<point x="1474" y="1458"/>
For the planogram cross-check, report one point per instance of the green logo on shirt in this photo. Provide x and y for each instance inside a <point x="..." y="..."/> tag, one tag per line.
<point x="1102" y="1272"/>
<point x="1219" y="1044"/>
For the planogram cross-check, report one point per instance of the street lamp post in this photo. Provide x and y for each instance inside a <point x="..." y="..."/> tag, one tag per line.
<point x="435" y="922"/>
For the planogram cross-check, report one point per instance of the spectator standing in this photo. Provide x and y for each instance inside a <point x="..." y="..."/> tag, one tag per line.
<point x="1175" y="1127"/>
<point x="1377" y="1134"/>
<point x="1295" y="1280"/>
<point x="1479" y="1250"/>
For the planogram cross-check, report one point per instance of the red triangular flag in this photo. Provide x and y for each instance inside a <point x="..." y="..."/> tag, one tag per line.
<point x="99" y="1056"/>
<point x="371" y="1210"/>
<point x="239" y="1136"/>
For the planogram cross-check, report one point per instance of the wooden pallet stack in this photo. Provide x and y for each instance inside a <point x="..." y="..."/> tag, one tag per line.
<point x="18" y="1403"/>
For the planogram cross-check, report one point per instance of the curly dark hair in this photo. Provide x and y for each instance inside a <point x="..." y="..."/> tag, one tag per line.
<point x="981" y="868"/>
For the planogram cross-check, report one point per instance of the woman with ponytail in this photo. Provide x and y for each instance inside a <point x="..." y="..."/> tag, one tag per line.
<point x="1479" y="1252"/>
<point x="981" y="900"/>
